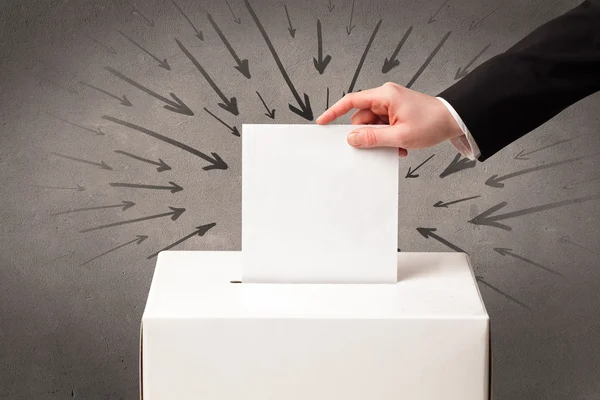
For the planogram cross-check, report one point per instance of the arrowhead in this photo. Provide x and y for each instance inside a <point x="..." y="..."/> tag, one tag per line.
<point x="321" y="65"/>
<point x="457" y="165"/>
<point x="502" y="251"/>
<point x="163" y="166"/>
<point x="80" y="188"/>
<point x="431" y="19"/>
<point x="570" y="184"/>
<point x="494" y="181"/>
<point x="410" y="174"/>
<point x="485" y="217"/>
<point x="127" y="204"/>
<point x="474" y="25"/>
<point x="564" y="240"/>
<point x="237" y="20"/>
<point x="330" y="7"/>
<point x="201" y="230"/>
<point x="292" y="32"/>
<point x="217" y="163"/>
<point x="100" y="133"/>
<point x="125" y="102"/>
<point x="304" y="111"/>
<point x="440" y="204"/>
<point x="461" y="73"/>
<point x="349" y="29"/>
<point x="230" y="106"/>
<point x="164" y="64"/>
<point x="200" y="36"/>
<point x="176" y="188"/>
<point x="244" y="68"/>
<point x="180" y="108"/>
<point x="141" y="238"/>
<point x="271" y="114"/>
<point x="112" y="50"/>
<point x="426" y="232"/>
<point x="103" y="165"/>
<point x="176" y="213"/>
<point x="389" y="64"/>
<point x="520" y="156"/>
<point x="235" y="131"/>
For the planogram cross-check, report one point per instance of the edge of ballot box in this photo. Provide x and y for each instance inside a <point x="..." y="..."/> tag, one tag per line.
<point x="185" y="286"/>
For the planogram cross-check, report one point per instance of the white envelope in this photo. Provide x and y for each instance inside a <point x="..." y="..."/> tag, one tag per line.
<point x="315" y="209"/>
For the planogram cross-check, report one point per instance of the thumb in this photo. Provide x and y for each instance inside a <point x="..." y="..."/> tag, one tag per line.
<point x="372" y="136"/>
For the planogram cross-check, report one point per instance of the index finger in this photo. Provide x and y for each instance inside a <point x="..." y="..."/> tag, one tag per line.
<point x="361" y="100"/>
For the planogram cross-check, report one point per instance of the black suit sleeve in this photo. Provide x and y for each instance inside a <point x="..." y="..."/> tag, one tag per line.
<point x="516" y="91"/>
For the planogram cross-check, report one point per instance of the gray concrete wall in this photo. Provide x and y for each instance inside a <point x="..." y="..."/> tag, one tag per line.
<point x="71" y="301"/>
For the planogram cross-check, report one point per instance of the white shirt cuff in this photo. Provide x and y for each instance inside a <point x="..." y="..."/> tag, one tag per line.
<point x="465" y="144"/>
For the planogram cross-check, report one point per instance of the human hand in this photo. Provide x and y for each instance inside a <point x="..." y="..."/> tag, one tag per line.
<point x="416" y="120"/>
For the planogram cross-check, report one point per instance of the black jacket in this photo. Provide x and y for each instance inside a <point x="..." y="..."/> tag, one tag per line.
<point x="516" y="91"/>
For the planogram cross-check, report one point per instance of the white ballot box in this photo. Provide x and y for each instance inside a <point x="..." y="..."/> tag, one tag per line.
<point x="204" y="336"/>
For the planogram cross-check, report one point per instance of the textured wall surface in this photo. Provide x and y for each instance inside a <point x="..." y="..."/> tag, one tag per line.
<point x="86" y="198"/>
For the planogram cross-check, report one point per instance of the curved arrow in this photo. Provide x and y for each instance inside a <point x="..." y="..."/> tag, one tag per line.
<point x="163" y="64"/>
<point x="362" y="58"/>
<point x="462" y="72"/>
<point x="320" y="63"/>
<point x="270" y="113"/>
<point x="458" y="164"/>
<point x="123" y="206"/>
<point x="428" y="232"/>
<point x="233" y="129"/>
<point x="175" y="213"/>
<point x="411" y="173"/>
<point x="173" y="188"/>
<point x="199" y="34"/>
<point x="428" y="60"/>
<point x="200" y="231"/>
<point x="162" y="166"/>
<point x="242" y="65"/>
<point x="138" y="239"/>
<point x="101" y="164"/>
<point x="392" y="62"/>
<point x="445" y="205"/>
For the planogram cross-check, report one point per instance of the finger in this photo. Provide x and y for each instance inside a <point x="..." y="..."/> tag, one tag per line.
<point x="364" y="117"/>
<point x="362" y="99"/>
<point x="389" y="136"/>
<point x="402" y="152"/>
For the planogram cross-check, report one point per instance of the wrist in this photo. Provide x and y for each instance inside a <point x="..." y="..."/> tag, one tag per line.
<point x="452" y="128"/>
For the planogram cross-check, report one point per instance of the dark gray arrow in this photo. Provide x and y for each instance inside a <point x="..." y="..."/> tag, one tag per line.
<point x="136" y="11"/>
<point x="428" y="233"/>
<point x="199" y="34"/>
<point x="200" y="231"/>
<point x="305" y="110"/>
<point x="567" y="240"/>
<point x="432" y="18"/>
<point x="173" y="188"/>
<point x="79" y="188"/>
<point x="349" y="27"/>
<point x="495" y="289"/>
<point x="236" y="19"/>
<point x="476" y="24"/>
<point x="458" y="164"/>
<point x="571" y="184"/>
<point x="327" y="103"/>
<point x="68" y="89"/>
<point x="228" y="104"/>
<point x="462" y="72"/>
<point x="177" y="106"/>
<point x="233" y="129"/>
<point x="95" y="132"/>
<point x="101" y="164"/>
<point x="291" y="30"/>
<point x="330" y="6"/>
<point x="486" y="218"/>
<point x="109" y="49"/>
<point x="174" y="214"/>
<point x="522" y="154"/>
<point x="123" y="206"/>
<point x="123" y="100"/>
<point x="496" y="181"/>
<point x="445" y="205"/>
<point x="363" y="57"/>
<point x="428" y="60"/>
<point x="504" y="252"/>
<point x="163" y="64"/>
<point x="392" y="62"/>
<point x="216" y="161"/>
<point x="270" y="113"/>
<point x="242" y="65"/>
<point x="411" y="173"/>
<point x="320" y="63"/>
<point x="57" y="258"/>
<point x="162" y="166"/>
<point x="138" y="239"/>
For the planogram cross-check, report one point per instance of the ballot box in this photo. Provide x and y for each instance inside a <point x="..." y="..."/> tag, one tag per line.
<point x="207" y="334"/>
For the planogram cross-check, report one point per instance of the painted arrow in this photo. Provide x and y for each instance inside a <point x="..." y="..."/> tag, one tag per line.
<point x="573" y="183"/>
<point x="495" y="289"/>
<point x="496" y="181"/>
<point x="216" y="161"/>
<point x="136" y="11"/>
<point x="428" y="60"/>
<point x="476" y="24"/>
<point x="233" y="129"/>
<point x="392" y="62"/>
<point x="508" y="252"/>
<point x="411" y="173"/>
<point x="567" y="240"/>
<point x="163" y="64"/>
<point x="228" y="104"/>
<point x="242" y="65"/>
<point x="78" y="188"/>
<point x="200" y="231"/>
<point x="270" y="113"/>
<point x="291" y="30"/>
<point x="428" y="233"/>
<point x="199" y="34"/>
<point x="175" y="213"/>
<point x="123" y="206"/>
<point x="138" y="240"/>
<point x="236" y="19"/>
<point x="305" y="110"/>
<point x="522" y="155"/>
<point x="320" y="63"/>
<point x="330" y="6"/>
<point x="349" y="27"/>
<point x="109" y="49"/>
<point x="162" y="166"/>
<point x="173" y="188"/>
<point x="486" y="217"/>
<point x="177" y="106"/>
<point x="457" y="165"/>
<point x="58" y="85"/>
<point x="445" y="205"/>
<point x="123" y="99"/>
<point x="97" y="132"/>
<point x="101" y="164"/>
<point x="58" y="258"/>
<point x="462" y="72"/>
<point x="363" y="57"/>
<point x="327" y="102"/>
<point x="432" y="18"/>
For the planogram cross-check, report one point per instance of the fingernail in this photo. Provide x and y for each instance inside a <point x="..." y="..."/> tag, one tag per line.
<point x="354" y="138"/>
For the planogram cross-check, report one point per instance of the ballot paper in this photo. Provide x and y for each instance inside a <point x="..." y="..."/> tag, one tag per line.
<point x="315" y="209"/>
